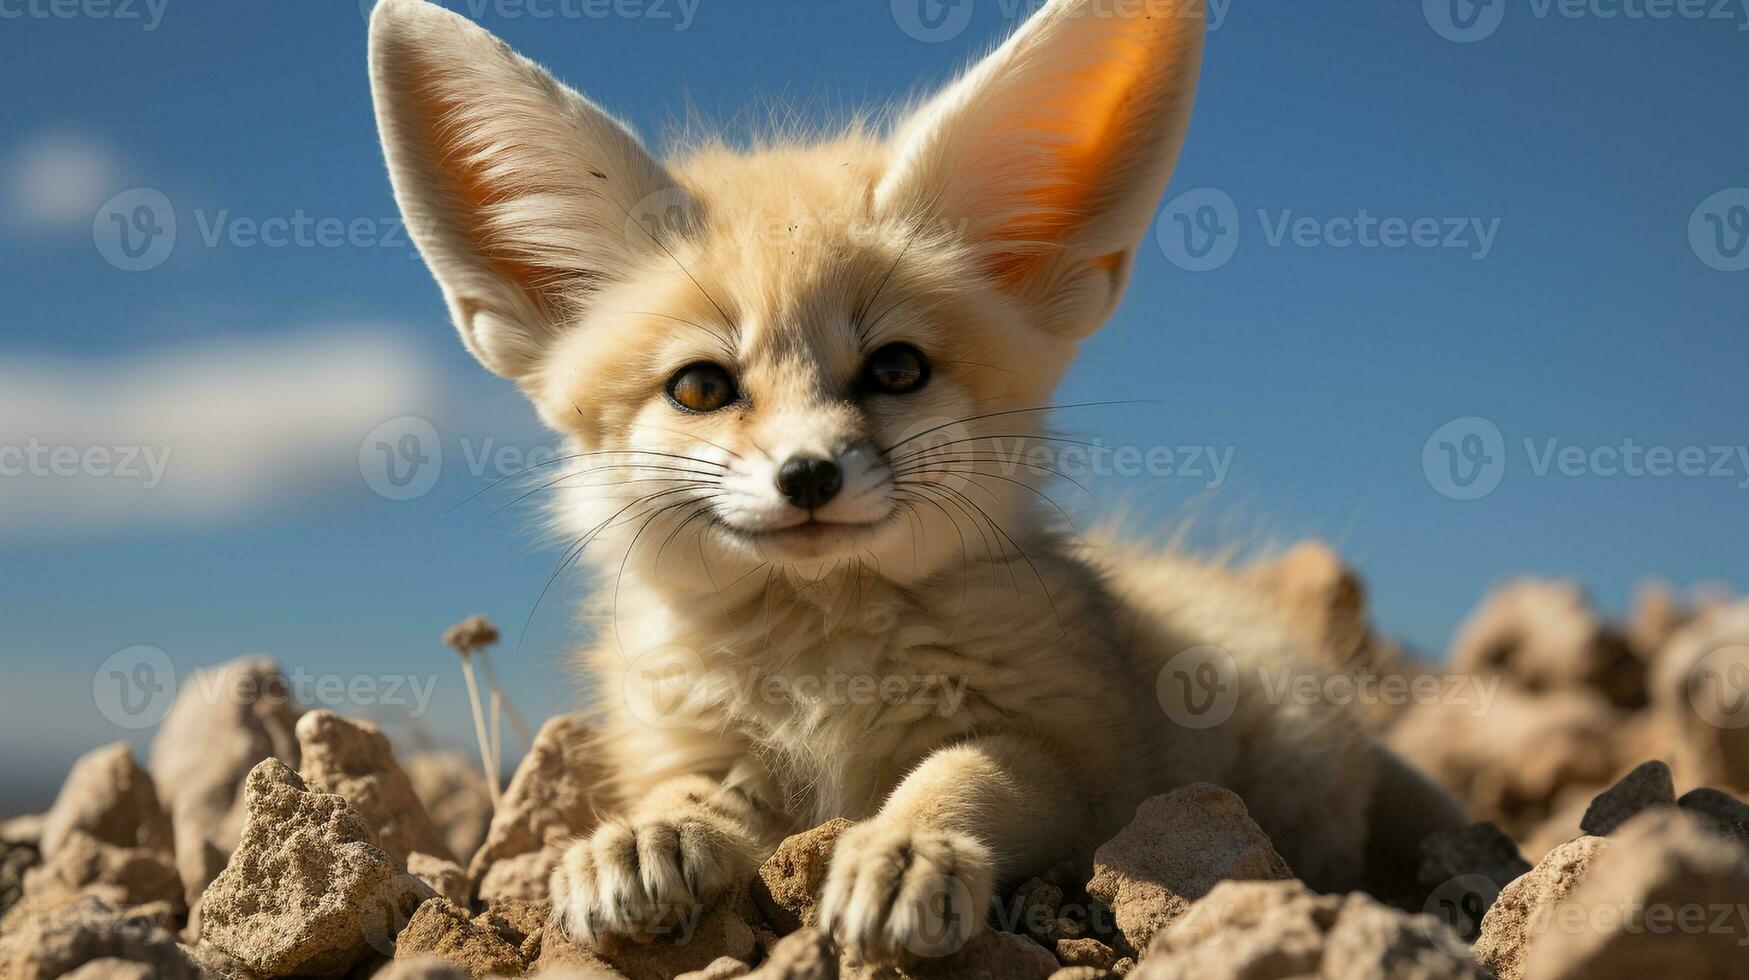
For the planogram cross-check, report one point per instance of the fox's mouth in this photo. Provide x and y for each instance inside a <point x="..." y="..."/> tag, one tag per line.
<point x="809" y="538"/>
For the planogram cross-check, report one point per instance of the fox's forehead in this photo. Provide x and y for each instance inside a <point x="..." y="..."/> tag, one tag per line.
<point x="789" y="244"/>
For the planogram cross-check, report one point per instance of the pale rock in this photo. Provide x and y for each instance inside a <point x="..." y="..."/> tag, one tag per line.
<point x="1524" y="907"/>
<point x="109" y="798"/>
<point x="224" y="721"/>
<point x="789" y="880"/>
<point x="456" y="796"/>
<point x="307" y="892"/>
<point x="353" y="759"/>
<point x="1546" y="636"/>
<point x="550" y="802"/>
<point x="1178" y="847"/>
<point x="1665" y="900"/>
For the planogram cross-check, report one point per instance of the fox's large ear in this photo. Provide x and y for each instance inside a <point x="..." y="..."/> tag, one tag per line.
<point x="1055" y="149"/>
<point x="517" y="190"/>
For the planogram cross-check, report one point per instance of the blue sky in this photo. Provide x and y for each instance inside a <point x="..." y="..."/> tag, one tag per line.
<point x="1557" y="185"/>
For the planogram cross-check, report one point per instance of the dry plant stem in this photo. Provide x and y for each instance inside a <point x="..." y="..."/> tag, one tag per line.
<point x="480" y="729"/>
<point x="497" y="726"/>
<point x="516" y="719"/>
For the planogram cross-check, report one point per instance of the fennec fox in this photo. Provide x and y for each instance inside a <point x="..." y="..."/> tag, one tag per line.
<point x="802" y="386"/>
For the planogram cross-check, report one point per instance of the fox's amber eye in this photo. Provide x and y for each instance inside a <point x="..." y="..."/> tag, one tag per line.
<point x="896" y="369"/>
<point x="702" y="387"/>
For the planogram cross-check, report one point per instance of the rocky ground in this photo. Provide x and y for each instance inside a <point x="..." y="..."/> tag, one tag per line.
<point x="263" y="840"/>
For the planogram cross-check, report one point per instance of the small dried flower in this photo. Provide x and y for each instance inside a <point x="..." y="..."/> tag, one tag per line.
<point x="474" y="633"/>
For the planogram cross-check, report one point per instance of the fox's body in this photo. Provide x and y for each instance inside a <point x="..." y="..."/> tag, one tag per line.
<point x="804" y="386"/>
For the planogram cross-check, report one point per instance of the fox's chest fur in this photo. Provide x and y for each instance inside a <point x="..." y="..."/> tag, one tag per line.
<point x="817" y="697"/>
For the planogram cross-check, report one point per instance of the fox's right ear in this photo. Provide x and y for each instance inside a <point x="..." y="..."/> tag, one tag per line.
<point x="518" y="191"/>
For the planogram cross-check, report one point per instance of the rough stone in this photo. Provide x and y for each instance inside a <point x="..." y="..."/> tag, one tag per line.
<point x="109" y="798"/>
<point x="723" y="968"/>
<point x="549" y="802"/>
<point x="224" y="721"/>
<point x="1276" y="930"/>
<point x="789" y="881"/>
<point x="1651" y="907"/>
<point x="353" y="759"/>
<point x="718" y="932"/>
<point x="1510" y="763"/>
<point x="803" y="955"/>
<point x="1177" y="848"/>
<point x="83" y="866"/>
<point x="1546" y="636"/>
<point x="1086" y="952"/>
<point x="91" y="932"/>
<point x="307" y="892"/>
<point x="441" y="928"/>
<point x="1524" y="907"/>
<point x="445" y="877"/>
<point x="1728" y="814"/>
<point x="1696" y="688"/>
<point x="456" y="796"/>
<point x="1648" y="785"/>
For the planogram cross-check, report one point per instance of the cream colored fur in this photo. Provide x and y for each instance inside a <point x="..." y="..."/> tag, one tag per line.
<point x="933" y="659"/>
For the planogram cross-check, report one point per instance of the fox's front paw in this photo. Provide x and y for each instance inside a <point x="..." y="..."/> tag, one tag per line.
<point x="895" y="892"/>
<point x="643" y="879"/>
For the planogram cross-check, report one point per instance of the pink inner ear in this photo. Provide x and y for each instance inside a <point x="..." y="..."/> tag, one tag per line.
<point x="471" y="194"/>
<point x="1090" y="125"/>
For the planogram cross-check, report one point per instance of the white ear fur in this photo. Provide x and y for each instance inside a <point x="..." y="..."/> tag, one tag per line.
<point x="517" y="190"/>
<point x="1055" y="149"/>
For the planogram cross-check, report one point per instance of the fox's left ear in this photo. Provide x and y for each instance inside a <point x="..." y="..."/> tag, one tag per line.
<point x="1055" y="149"/>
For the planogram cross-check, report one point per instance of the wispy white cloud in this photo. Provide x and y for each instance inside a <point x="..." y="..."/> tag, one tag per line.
<point x="200" y="433"/>
<point x="56" y="181"/>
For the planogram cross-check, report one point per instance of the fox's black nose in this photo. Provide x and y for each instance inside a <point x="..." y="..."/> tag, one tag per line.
<point x="809" y="482"/>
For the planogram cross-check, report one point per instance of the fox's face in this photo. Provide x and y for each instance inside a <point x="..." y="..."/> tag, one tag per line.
<point x="805" y="356"/>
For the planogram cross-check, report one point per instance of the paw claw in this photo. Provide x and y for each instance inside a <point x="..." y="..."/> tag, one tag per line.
<point x="638" y="880"/>
<point x="897" y="893"/>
